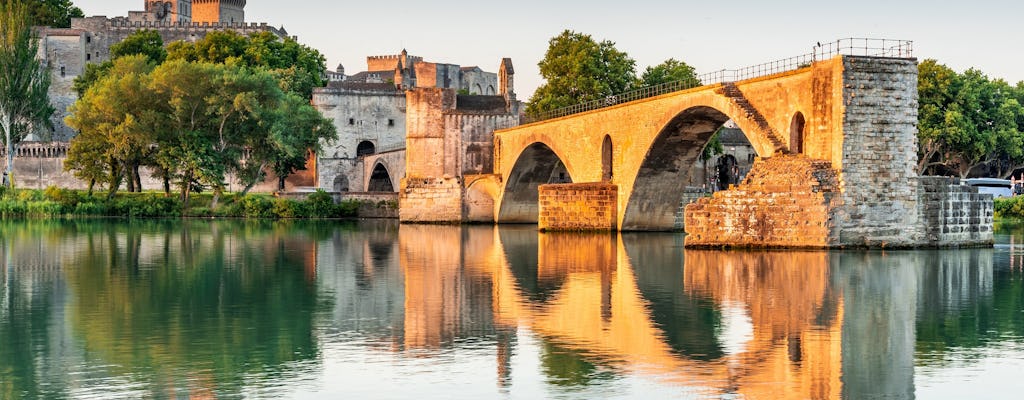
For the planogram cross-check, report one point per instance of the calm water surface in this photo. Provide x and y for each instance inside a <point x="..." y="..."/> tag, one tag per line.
<point x="199" y="309"/>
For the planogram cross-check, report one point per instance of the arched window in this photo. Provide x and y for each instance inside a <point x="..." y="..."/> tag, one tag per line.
<point x="380" y="180"/>
<point x="606" y="159"/>
<point x="797" y="134"/>
<point x="365" y="148"/>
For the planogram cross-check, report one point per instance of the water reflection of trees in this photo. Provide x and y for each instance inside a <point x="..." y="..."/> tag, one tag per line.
<point x="188" y="307"/>
<point x="969" y="300"/>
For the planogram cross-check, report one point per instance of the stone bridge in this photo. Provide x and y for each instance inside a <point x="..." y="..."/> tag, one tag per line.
<point x="837" y="141"/>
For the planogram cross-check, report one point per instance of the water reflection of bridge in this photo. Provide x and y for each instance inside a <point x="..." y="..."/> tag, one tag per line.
<point x="763" y="325"/>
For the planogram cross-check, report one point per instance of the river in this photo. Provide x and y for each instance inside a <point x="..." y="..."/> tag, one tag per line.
<point x="237" y="309"/>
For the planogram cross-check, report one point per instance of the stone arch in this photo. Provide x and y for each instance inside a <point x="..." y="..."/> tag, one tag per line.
<point x="606" y="159"/>
<point x="797" y="133"/>
<point x="380" y="180"/>
<point x="340" y="183"/>
<point x="365" y="148"/>
<point x="661" y="179"/>
<point x="537" y="165"/>
<point x="477" y="89"/>
<point x="478" y="204"/>
<point x="490" y="90"/>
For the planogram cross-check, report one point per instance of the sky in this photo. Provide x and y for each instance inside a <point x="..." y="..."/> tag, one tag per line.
<point x="709" y="35"/>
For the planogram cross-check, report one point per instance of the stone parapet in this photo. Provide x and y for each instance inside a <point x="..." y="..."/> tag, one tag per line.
<point x="578" y="207"/>
<point x="953" y="214"/>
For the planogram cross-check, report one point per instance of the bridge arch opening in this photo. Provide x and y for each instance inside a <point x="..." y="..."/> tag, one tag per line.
<point x="797" y="133"/>
<point x="662" y="179"/>
<point x="606" y="159"/>
<point x="380" y="180"/>
<point x="537" y="165"/>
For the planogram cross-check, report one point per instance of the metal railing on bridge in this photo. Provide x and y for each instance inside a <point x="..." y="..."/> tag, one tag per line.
<point x="886" y="48"/>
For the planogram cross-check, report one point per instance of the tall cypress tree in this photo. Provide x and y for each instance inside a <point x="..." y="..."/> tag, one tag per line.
<point x="24" y="103"/>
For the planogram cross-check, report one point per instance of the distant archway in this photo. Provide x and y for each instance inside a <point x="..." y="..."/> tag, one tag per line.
<point x="340" y="183"/>
<point x="477" y="89"/>
<point x="796" y="134"/>
<point x="490" y="91"/>
<point x="380" y="180"/>
<point x="365" y="148"/>
<point x="606" y="159"/>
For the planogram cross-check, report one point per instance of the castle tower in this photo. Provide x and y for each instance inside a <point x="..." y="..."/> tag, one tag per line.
<point x="218" y="11"/>
<point x="172" y="11"/>
<point x="506" y="82"/>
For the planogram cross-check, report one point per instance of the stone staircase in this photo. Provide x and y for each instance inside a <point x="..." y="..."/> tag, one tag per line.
<point x="785" y="201"/>
<point x="732" y="92"/>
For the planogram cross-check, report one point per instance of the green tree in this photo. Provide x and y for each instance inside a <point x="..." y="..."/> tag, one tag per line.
<point x="24" y="104"/>
<point x="578" y="69"/>
<point x="671" y="70"/>
<point x="298" y="68"/>
<point x="146" y="42"/>
<point x="55" y="13"/>
<point x="116" y="121"/>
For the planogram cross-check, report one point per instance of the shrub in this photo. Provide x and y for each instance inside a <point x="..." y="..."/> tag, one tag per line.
<point x="233" y="209"/>
<point x="200" y="212"/>
<point x="12" y="208"/>
<point x="256" y="206"/>
<point x="349" y="208"/>
<point x="30" y="195"/>
<point x="91" y="208"/>
<point x="321" y="205"/>
<point x="1009" y="207"/>
<point x="287" y="208"/>
<point x="45" y="208"/>
<point x="67" y="198"/>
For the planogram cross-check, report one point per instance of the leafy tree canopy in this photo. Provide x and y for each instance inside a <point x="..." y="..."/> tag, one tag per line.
<point x="299" y="68"/>
<point x="193" y="122"/>
<point x="578" y="69"/>
<point x="671" y="70"/>
<point x="969" y="124"/>
<point x="55" y="13"/>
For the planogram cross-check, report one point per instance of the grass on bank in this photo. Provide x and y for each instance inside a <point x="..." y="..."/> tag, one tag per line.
<point x="56" y="202"/>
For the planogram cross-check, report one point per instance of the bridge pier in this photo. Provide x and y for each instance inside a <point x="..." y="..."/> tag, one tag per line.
<point x="578" y="207"/>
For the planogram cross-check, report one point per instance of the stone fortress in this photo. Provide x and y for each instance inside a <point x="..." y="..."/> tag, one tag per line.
<point x="405" y="117"/>
<point x="39" y="160"/>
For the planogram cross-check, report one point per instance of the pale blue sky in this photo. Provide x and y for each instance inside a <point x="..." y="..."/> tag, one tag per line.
<point x="708" y="34"/>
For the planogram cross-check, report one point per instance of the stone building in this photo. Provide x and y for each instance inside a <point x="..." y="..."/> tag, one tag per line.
<point x="373" y="110"/>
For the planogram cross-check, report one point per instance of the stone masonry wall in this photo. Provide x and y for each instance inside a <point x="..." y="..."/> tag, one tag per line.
<point x="786" y="201"/>
<point x="953" y="214"/>
<point x="433" y="200"/>
<point x="578" y="207"/>
<point x="879" y="153"/>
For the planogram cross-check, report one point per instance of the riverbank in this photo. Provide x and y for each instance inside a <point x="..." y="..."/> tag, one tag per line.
<point x="1009" y="207"/>
<point x="61" y="203"/>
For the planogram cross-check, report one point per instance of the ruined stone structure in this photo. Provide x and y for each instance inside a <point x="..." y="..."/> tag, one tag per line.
<point x="841" y="134"/>
<point x="407" y="117"/>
